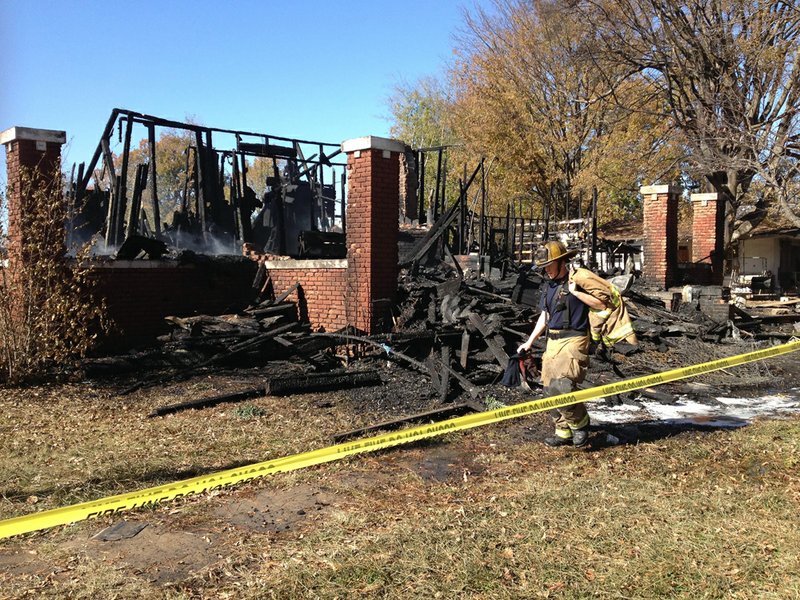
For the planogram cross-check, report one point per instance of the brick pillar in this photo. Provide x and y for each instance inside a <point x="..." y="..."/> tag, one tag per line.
<point x="660" y="261"/>
<point x="33" y="164"/>
<point x="373" y="173"/>
<point x="707" y="232"/>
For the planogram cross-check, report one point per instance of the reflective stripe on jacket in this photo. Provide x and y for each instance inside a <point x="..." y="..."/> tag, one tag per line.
<point x="613" y="323"/>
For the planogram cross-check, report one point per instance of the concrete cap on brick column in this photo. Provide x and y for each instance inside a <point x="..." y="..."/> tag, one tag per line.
<point x="649" y="190"/>
<point x="372" y="142"/>
<point x="704" y="198"/>
<point x="35" y="135"/>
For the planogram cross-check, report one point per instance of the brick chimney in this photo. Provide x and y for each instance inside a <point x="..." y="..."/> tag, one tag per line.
<point x="373" y="173"/>
<point x="660" y="261"/>
<point x="707" y="233"/>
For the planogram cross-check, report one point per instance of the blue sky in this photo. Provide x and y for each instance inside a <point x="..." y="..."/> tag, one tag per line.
<point x="307" y="69"/>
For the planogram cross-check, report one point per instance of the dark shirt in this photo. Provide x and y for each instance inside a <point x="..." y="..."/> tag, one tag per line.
<point x="554" y="302"/>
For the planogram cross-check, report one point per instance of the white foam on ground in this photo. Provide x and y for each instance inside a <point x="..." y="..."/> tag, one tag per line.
<point x="734" y="412"/>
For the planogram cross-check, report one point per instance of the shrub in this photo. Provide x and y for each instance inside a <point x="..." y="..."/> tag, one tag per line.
<point x="49" y="316"/>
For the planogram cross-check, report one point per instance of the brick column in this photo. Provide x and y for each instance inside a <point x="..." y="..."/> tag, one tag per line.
<point x="373" y="173"/>
<point x="660" y="261"/>
<point x="33" y="165"/>
<point x="707" y="233"/>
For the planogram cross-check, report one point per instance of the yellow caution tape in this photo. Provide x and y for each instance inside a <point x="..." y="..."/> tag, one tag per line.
<point x="224" y="479"/>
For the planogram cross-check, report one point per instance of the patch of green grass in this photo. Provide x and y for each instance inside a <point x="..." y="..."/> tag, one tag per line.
<point x="493" y="403"/>
<point x="249" y="411"/>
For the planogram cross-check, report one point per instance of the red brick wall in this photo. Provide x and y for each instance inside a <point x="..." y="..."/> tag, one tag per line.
<point x="707" y="233"/>
<point x="372" y="234"/>
<point x="323" y="294"/>
<point x="139" y="296"/>
<point x="660" y="247"/>
<point x="360" y="292"/>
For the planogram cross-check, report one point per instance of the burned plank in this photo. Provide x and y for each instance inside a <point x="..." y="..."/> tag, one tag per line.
<point x="248" y="345"/>
<point x="492" y="341"/>
<point x="464" y="348"/>
<point x="444" y="390"/>
<point x="286" y="294"/>
<point x="151" y="142"/>
<point x="315" y="360"/>
<point x="268" y="150"/>
<point x="438" y="414"/>
<point x="481" y="292"/>
<point x="433" y="371"/>
<point x="285" y="308"/>
<point x="209" y="402"/>
<point x="286" y="385"/>
<point x="230" y="324"/>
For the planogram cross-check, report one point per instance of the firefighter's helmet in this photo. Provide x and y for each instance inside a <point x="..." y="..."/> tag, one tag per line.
<point x="551" y="252"/>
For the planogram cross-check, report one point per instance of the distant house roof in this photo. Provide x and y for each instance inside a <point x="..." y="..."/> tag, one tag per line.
<point x="775" y="223"/>
<point x="775" y="231"/>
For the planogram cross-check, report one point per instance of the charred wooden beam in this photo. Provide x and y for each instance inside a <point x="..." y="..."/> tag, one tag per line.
<point x="122" y="199"/>
<point x="285" y="294"/>
<point x="267" y="150"/>
<point x="208" y="402"/>
<point x="108" y="161"/>
<point x="444" y="390"/>
<point x="84" y="183"/>
<point x="200" y="183"/>
<point x="491" y="340"/>
<point x="286" y="308"/>
<point x="421" y="192"/>
<point x="433" y="371"/>
<point x="286" y="385"/>
<point x="481" y="292"/>
<point x="464" y="348"/>
<point x="151" y="141"/>
<point x="432" y="416"/>
<point x="139" y="181"/>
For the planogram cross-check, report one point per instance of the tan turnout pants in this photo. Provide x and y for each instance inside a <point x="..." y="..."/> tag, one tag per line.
<point x="567" y="359"/>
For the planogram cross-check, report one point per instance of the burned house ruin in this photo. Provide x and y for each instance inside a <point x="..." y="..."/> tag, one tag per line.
<point x="332" y="223"/>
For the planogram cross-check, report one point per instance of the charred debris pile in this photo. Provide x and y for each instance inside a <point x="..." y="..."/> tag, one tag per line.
<point x="459" y="332"/>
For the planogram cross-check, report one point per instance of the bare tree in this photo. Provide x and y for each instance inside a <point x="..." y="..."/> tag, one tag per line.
<point x="729" y="72"/>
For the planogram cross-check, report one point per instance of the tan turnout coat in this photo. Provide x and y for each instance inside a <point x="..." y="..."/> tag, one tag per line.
<point x="613" y="323"/>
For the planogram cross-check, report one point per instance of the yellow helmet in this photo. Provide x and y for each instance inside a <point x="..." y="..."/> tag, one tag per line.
<point x="551" y="252"/>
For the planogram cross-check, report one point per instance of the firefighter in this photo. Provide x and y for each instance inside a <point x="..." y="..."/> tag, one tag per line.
<point x="565" y="316"/>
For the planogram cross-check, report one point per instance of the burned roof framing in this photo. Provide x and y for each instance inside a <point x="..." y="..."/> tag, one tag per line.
<point x="215" y="208"/>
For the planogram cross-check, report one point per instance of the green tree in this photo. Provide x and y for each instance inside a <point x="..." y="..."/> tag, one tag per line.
<point x="421" y="113"/>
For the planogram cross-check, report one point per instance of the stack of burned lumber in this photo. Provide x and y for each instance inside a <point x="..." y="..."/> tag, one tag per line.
<point x="476" y="319"/>
<point x="264" y="330"/>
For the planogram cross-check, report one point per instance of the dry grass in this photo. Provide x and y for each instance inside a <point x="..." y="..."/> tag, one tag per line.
<point x="698" y="515"/>
<point x="64" y="444"/>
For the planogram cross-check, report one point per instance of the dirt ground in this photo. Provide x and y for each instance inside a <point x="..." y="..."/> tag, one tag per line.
<point x="182" y="547"/>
